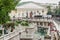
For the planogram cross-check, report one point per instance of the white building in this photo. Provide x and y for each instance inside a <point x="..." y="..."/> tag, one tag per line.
<point x="28" y="10"/>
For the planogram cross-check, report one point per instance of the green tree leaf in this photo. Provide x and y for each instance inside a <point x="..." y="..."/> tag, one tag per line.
<point x="5" y="7"/>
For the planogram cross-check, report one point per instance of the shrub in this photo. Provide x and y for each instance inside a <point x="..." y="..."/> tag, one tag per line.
<point x="18" y="22"/>
<point x="24" y="23"/>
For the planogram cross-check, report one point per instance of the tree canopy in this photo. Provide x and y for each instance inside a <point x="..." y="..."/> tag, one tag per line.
<point x="56" y="11"/>
<point x="49" y="10"/>
<point x="5" y="7"/>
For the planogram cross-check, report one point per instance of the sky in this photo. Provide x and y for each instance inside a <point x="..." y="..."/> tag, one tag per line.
<point x="42" y="1"/>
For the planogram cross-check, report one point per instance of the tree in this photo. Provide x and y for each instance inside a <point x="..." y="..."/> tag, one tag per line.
<point x="5" y="7"/>
<point x="49" y="10"/>
<point x="57" y="9"/>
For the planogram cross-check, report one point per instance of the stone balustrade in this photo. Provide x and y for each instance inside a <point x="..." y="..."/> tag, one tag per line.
<point x="12" y="36"/>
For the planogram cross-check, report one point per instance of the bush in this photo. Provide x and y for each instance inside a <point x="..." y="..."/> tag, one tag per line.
<point x="18" y="22"/>
<point x="24" y="23"/>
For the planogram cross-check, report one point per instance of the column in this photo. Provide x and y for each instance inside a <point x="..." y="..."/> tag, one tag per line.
<point x="26" y="14"/>
<point x="48" y="31"/>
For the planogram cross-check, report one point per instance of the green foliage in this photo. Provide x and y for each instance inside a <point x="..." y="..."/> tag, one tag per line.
<point x="18" y="22"/>
<point x="49" y="13"/>
<point x="5" y="7"/>
<point x="57" y="11"/>
<point x="24" y="23"/>
<point x="49" y="10"/>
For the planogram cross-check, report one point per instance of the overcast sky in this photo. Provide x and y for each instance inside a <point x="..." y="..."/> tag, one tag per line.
<point x="42" y="1"/>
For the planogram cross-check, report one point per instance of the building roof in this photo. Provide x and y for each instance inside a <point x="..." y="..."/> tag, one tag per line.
<point x="27" y="4"/>
<point x="39" y="4"/>
<point x="42" y="1"/>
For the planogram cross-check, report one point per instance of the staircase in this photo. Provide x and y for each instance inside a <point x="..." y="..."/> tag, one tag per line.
<point x="57" y="24"/>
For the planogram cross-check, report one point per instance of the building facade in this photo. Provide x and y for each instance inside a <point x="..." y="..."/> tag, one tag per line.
<point x="28" y="10"/>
